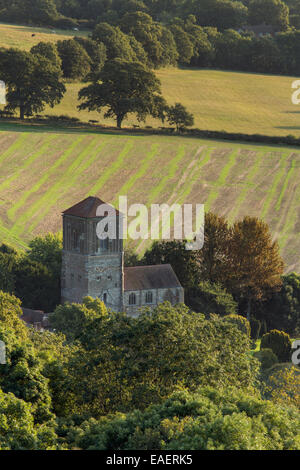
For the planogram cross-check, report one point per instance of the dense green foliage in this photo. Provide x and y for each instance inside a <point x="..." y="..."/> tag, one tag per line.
<point x="75" y="60"/>
<point x="208" y="297"/>
<point x="241" y="322"/>
<point x="266" y="357"/>
<point x="183" y="381"/>
<point x="242" y="258"/>
<point x="141" y="360"/>
<point x="206" y="33"/>
<point x="123" y="87"/>
<point x="282" y="309"/>
<point x="279" y="342"/>
<point x="209" y="419"/>
<point x="32" y="81"/>
<point x="33" y="276"/>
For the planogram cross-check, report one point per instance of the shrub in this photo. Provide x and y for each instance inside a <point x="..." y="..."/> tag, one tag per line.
<point x="255" y="328"/>
<point x="266" y="357"/>
<point x="279" y="342"/>
<point x="241" y="322"/>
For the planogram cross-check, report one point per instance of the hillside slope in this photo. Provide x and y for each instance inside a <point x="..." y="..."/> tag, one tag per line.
<point x="220" y="101"/>
<point x="42" y="174"/>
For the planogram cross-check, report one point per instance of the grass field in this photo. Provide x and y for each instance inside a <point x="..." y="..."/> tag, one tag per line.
<point x="229" y="101"/>
<point x="43" y="173"/>
<point x="21" y="36"/>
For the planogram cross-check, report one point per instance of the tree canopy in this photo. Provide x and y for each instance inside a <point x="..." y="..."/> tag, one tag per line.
<point x="32" y="81"/>
<point x="121" y="88"/>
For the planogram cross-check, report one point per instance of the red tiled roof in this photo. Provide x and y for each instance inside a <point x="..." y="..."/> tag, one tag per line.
<point x="160" y="276"/>
<point x="86" y="209"/>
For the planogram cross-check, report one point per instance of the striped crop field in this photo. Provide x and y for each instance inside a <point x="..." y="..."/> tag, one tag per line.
<point x="43" y="173"/>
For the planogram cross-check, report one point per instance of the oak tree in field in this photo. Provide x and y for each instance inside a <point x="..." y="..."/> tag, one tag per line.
<point x="32" y="81"/>
<point x="178" y="115"/>
<point x="256" y="264"/>
<point x="121" y="88"/>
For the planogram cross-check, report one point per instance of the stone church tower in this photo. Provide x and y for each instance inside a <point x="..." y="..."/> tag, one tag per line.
<point x="90" y="266"/>
<point x="95" y="268"/>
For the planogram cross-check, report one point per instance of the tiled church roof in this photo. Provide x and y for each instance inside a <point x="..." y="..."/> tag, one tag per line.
<point x="160" y="276"/>
<point x="86" y="209"/>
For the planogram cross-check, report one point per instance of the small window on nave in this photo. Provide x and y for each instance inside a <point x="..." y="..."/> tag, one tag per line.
<point x="149" y="298"/>
<point x="132" y="299"/>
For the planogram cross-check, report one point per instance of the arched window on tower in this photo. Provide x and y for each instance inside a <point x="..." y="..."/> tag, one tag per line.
<point x="132" y="299"/>
<point x="74" y="239"/>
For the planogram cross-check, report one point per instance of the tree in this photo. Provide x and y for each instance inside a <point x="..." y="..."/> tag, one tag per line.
<point x="39" y="12"/>
<point x="32" y="81"/>
<point x="157" y="41"/>
<point x="210" y="298"/>
<point x="76" y="62"/>
<point x="184" y="262"/>
<point x="203" y="49"/>
<point x="265" y="55"/>
<point x="183" y="43"/>
<point x="223" y="14"/>
<point x="214" y="258"/>
<point x="281" y="310"/>
<point x="279" y="342"/>
<point x="10" y="315"/>
<point x="47" y="250"/>
<point x="116" y="42"/>
<point x="178" y="115"/>
<point x="123" y="87"/>
<point x="95" y="50"/>
<point x="74" y="319"/>
<point x="233" y="50"/>
<point x="129" y="362"/>
<point x="210" y="418"/>
<point x="7" y="280"/>
<point x="273" y="12"/>
<point x="18" y="430"/>
<point x="257" y="266"/>
<point x="283" y="386"/>
<point x="22" y="376"/>
<point x="49" y="51"/>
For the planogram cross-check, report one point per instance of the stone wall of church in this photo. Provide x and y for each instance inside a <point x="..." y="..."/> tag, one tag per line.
<point x="173" y="295"/>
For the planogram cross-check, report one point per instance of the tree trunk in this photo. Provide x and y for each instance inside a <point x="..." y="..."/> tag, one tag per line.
<point x="249" y="309"/>
<point x="119" y="122"/>
<point x="21" y="112"/>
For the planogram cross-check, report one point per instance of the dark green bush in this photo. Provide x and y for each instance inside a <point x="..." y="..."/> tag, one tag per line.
<point x="279" y="342"/>
<point x="241" y="322"/>
<point x="255" y="328"/>
<point x="266" y="357"/>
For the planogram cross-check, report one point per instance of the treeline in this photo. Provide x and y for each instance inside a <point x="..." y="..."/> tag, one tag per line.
<point x="238" y="271"/>
<point x="176" y="377"/>
<point x="169" y="379"/>
<point x="186" y="33"/>
<point x="185" y="43"/>
<point x="222" y="14"/>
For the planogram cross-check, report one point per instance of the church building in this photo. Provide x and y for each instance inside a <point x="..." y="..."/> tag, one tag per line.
<point x="95" y="268"/>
